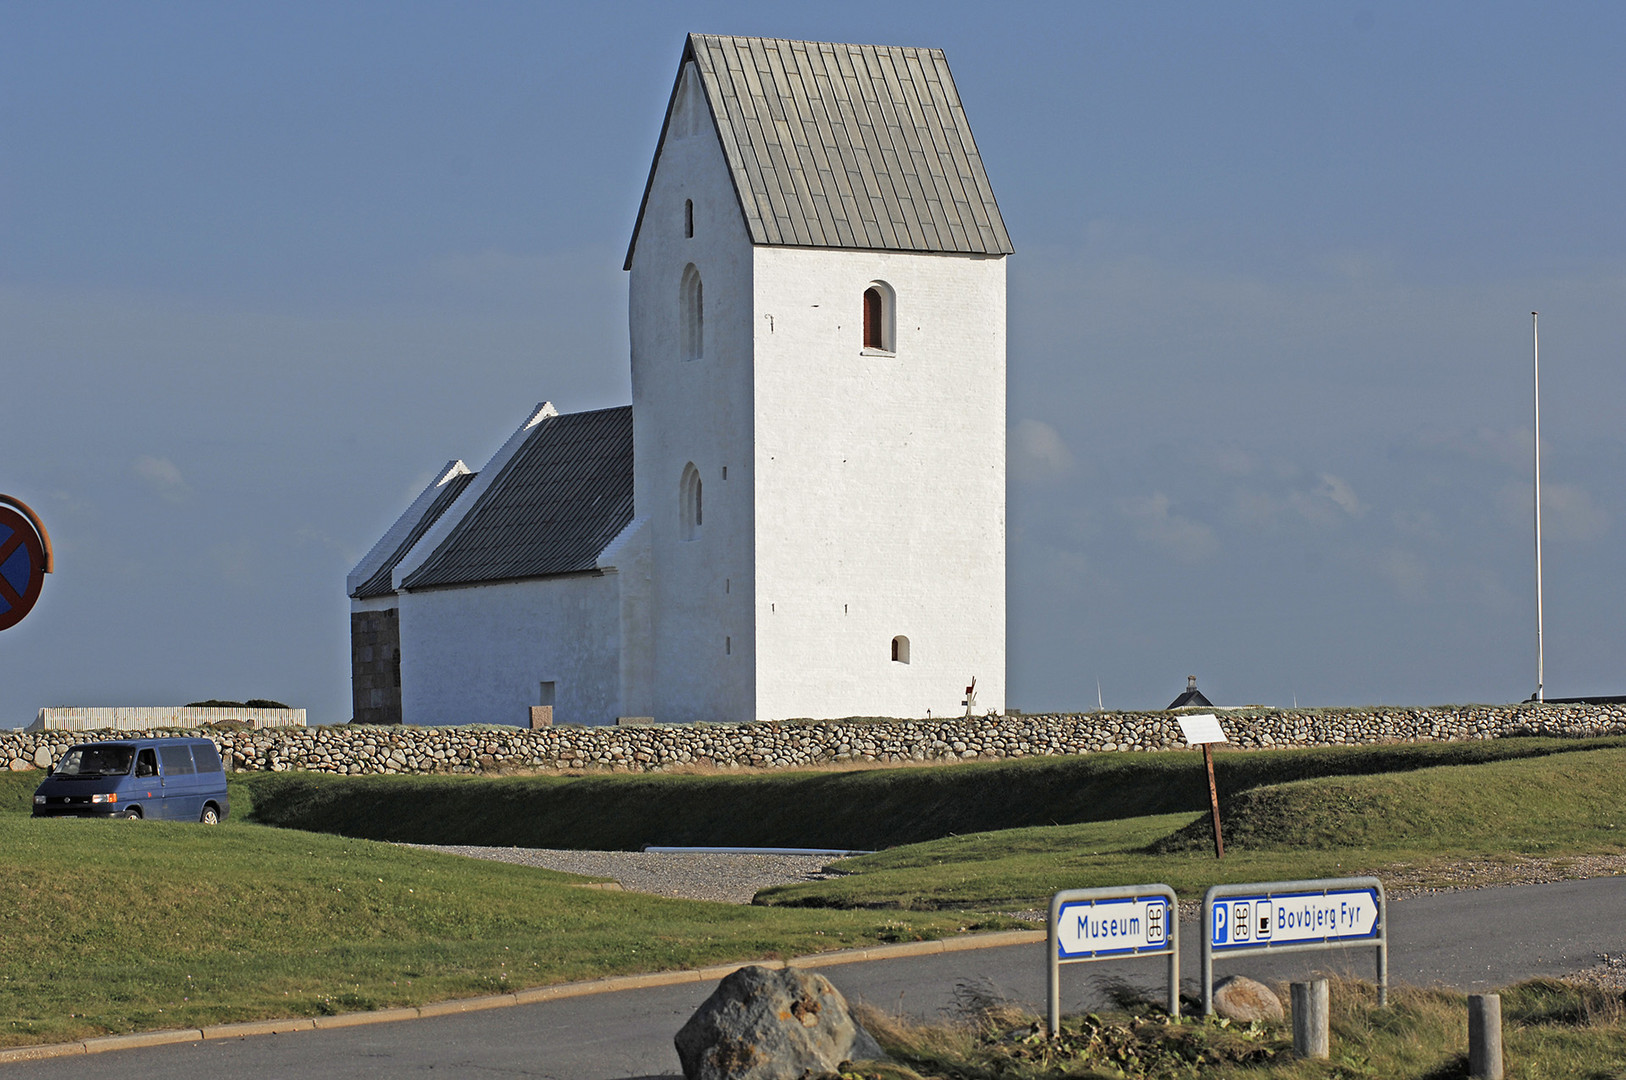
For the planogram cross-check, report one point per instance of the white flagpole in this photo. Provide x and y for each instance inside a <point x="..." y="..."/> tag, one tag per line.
<point x="1535" y="364"/>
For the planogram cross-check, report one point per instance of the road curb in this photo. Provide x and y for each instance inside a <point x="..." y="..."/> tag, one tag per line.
<point x="257" y="1027"/>
<point x="608" y="985"/>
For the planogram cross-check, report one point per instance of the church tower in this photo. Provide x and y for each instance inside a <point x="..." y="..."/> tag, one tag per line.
<point x="817" y="308"/>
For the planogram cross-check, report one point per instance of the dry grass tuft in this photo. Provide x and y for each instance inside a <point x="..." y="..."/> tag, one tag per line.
<point x="1550" y="1030"/>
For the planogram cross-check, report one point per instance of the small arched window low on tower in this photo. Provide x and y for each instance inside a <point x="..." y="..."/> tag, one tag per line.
<point x="692" y="314"/>
<point x="691" y="513"/>
<point x="880" y="320"/>
<point x="900" y="649"/>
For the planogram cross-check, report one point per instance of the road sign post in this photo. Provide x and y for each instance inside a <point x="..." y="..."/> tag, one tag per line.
<point x="1108" y="924"/>
<point x="1294" y="916"/>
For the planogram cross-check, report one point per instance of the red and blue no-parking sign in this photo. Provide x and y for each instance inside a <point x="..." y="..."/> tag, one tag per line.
<point x="25" y="559"/>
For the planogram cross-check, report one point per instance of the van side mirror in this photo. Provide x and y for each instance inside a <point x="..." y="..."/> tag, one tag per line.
<point x="50" y="769"/>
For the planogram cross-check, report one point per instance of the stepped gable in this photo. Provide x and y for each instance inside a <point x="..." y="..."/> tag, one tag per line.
<point x="552" y="509"/>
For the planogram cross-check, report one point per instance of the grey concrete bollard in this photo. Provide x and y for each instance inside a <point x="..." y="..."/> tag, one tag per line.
<point x="1485" y="1036"/>
<point x="1311" y="1019"/>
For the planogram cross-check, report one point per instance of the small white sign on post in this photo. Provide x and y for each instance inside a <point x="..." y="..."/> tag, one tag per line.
<point x="1202" y="730"/>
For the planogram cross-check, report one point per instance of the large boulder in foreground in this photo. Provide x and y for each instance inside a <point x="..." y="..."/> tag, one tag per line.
<point x="1241" y="998"/>
<point x="771" y="1024"/>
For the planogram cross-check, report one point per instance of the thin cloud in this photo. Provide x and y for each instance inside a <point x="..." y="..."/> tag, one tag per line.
<point x="1038" y="453"/>
<point x="1187" y="541"/>
<point x="1568" y="511"/>
<point x="1405" y="571"/>
<point x="1573" y="513"/>
<point x="161" y="475"/>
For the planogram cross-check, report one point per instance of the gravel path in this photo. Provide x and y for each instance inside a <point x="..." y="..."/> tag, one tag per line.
<point x="735" y="879"/>
<point x="731" y="879"/>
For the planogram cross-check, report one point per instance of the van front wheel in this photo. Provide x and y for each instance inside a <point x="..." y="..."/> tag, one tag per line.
<point x="211" y="816"/>
<point x="132" y="814"/>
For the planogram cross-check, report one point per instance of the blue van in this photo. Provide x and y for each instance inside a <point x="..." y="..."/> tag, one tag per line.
<point x="169" y="779"/>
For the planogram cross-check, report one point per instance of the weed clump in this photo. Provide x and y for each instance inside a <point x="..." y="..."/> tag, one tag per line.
<point x="1551" y="1029"/>
<point x="1145" y="1044"/>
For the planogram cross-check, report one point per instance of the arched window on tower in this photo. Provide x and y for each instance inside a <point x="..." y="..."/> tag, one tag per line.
<point x="692" y="314"/>
<point x="900" y="649"/>
<point x="690" y="512"/>
<point x="879" y="318"/>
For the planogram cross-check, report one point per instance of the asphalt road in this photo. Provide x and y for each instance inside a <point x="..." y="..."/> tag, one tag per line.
<point x="1468" y="940"/>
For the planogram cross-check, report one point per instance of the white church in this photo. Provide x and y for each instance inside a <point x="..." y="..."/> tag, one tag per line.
<point x="802" y="513"/>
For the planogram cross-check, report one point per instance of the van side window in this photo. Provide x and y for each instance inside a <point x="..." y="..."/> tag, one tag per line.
<point x="177" y="760"/>
<point x="146" y="763"/>
<point x="208" y="758"/>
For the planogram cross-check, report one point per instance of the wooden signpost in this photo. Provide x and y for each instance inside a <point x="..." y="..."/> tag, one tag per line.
<point x="1204" y="729"/>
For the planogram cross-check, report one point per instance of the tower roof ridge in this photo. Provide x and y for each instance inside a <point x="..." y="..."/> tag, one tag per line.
<point x="835" y="145"/>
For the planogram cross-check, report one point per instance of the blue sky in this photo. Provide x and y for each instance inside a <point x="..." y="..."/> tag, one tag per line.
<point x="263" y="268"/>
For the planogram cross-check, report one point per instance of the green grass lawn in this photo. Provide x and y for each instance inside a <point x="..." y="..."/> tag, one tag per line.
<point x="864" y="809"/>
<point x="1548" y="806"/>
<point x="109" y="926"/>
<point x="114" y="926"/>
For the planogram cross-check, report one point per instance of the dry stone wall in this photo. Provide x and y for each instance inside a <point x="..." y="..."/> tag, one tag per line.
<point x="364" y="749"/>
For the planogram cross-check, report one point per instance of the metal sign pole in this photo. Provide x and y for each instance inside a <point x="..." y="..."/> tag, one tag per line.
<point x="1120" y="922"/>
<point x="1295" y="916"/>
<point x="1535" y="365"/>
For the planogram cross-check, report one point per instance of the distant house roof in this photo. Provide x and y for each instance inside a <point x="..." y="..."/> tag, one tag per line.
<point x="378" y="584"/>
<point x="1192" y="698"/>
<point x="844" y="146"/>
<point x="551" y="509"/>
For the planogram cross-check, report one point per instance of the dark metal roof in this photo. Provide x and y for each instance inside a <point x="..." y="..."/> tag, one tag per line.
<point x="844" y="146"/>
<point x="379" y="583"/>
<point x="1189" y="699"/>
<point x="557" y="503"/>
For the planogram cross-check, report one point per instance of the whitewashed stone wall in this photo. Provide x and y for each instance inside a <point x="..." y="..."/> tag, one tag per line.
<point x="850" y="495"/>
<point x="700" y="652"/>
<point x="479" y="653"/>
<point x="783" y="745"/>
<point x="147" y="718"/>
<point x="880" y="485"/>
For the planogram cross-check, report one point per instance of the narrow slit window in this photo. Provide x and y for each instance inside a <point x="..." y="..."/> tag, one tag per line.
<point x="692" y="315"/>
<point x="690" y="512"/>
<point x="688" y="217"/>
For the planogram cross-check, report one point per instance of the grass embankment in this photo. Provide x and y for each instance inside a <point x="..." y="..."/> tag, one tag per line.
<point x="1550" y="806"/>
<point x="865" y="810"/>
<point x="115" y="926"/>
<point x="1550" y="1030"/>
<point x="119" y="926"/>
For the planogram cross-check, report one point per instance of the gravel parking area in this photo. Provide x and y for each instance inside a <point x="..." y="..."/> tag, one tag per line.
<point x="730" y="879"/>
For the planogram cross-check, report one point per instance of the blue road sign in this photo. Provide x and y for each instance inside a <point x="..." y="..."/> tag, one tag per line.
<point x="1289" y="916"/>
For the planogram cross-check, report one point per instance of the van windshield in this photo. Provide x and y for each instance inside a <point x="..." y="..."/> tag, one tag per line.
<point x="89" y="761"/>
